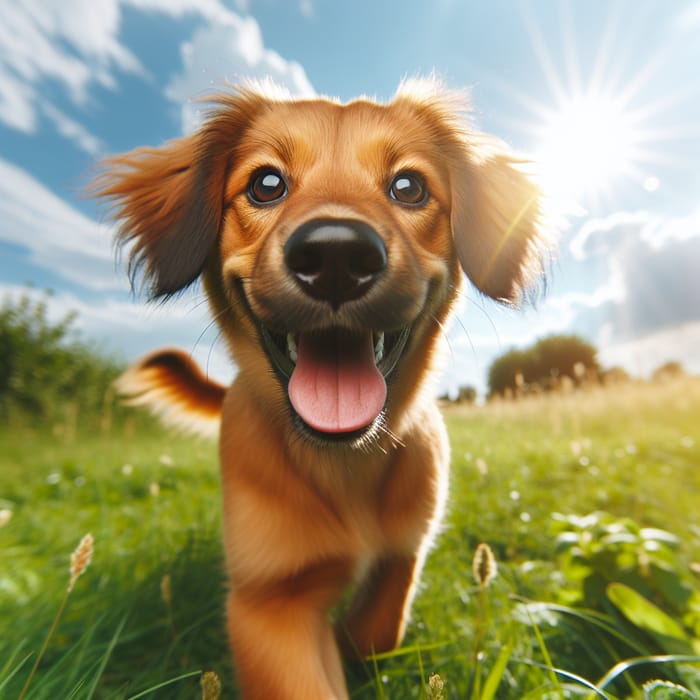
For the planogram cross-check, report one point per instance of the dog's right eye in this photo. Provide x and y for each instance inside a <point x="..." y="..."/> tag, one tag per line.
<point x="408" y="188"/>
<point x="267" y="186"/>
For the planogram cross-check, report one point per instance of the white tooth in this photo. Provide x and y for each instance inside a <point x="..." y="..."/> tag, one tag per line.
<point x="292" y="348"/>
<point x="379" y="347"/>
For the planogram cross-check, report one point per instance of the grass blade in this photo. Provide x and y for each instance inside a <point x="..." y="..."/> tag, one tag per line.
<point x="624" y="666"/>
<point x="165" y="684"/>
<point x="571" y="676"/>
<point x="105" y="658"/>
<point x="493" y="680"/>
<point x="15" y="670"/>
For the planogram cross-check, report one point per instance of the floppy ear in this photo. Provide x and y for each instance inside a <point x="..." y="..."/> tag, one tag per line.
<point x="169" y="200"/>
<point x="496" y="222"/>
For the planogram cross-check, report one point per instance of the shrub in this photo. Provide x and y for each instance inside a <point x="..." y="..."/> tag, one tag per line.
<point x="47" y="373"/>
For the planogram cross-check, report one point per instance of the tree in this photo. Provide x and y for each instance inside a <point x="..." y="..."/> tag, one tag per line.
<point x="559" y="355"/>
<point x="669" y="370"/>
<point x="543" y="363"/>
<point x="505" y="370"/>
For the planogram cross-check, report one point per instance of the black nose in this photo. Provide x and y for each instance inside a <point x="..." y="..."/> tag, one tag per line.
<point x="335" y="260"/>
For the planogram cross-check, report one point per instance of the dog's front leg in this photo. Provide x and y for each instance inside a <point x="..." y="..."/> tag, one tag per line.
<point x="283" y="643"/>
<point x="376" y="619"/>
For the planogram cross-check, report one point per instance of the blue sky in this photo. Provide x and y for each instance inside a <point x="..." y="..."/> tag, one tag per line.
<point x="604" y="95"/>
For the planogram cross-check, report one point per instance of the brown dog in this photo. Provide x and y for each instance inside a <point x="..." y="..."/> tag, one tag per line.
<point x="331" y="240"/>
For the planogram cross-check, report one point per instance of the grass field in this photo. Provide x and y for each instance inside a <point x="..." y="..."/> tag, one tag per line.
<point x="574" y="594"/>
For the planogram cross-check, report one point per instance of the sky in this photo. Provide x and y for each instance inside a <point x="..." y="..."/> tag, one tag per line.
<point x="604" y="96"/>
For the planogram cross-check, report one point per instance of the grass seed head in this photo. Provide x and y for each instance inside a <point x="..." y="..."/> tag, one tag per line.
<point x="166" y="591"/>
<point x="211" y="686"/>
<point x="435" y="687"/>
<point x="484" y="565"/>
<point x="80" y="559"/>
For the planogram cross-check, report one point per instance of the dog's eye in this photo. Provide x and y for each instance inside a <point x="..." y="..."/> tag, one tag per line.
<point x="408" y="188"/>
<point x="266" y="186"/>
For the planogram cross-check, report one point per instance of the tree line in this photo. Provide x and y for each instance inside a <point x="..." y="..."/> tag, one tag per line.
<point x="48" y="373"/>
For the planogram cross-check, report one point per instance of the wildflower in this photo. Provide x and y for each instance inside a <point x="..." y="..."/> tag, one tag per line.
<point x="211" y="686"/>
<point x="80" y="559"/>
<point x="484" y="565"/>
<point x="5" y="516"/>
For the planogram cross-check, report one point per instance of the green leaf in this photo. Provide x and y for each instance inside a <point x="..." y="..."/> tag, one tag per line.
<point x="643" y="613"/>
<point x="663" y="690"/>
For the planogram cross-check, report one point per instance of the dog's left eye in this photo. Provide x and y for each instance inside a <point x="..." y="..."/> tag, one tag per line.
<point x="408" y="188"/>
<point x="266" y="186"/>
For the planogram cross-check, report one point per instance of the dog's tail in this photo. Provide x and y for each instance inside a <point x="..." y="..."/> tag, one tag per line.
<point x="171" y="386"/>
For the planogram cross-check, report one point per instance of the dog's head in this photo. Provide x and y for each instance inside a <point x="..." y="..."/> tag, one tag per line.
<point x="331" y="236"/>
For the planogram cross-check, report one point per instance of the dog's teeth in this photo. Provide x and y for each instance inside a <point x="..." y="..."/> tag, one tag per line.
<point x="379" y="348"/>
<point x="292" y="348"/>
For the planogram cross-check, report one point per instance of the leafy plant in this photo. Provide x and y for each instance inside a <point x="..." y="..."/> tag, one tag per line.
<point x="632" y="577"/>
<point x="663" y="690"/>
<point x="616" y="565"/>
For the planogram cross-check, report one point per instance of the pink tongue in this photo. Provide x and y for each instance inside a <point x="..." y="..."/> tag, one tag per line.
<point x="335" y="386"/>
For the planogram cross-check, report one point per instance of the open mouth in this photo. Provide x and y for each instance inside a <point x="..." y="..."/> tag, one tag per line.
<point x="336" y="379"/>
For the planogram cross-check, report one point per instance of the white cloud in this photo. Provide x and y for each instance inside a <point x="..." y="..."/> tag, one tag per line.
<point x="72" y="43"/>
<point x="16" y="100"/>
<point x="212" y="10"/>
<point x="42" y="41"/>
<point x="73" y="131"/>
<point x="230" y="50"/>
<point x="655" y="262"/>
<point x="643" y="355"/>
<point x="58" y="237"/>
<point x="583" y="246"/>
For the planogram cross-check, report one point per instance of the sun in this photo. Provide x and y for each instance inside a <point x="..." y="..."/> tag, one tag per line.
<point x="596" y="136"/>
<point x="584" y="146"/>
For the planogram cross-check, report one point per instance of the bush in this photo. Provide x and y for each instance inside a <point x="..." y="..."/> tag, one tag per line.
<point x="544" y="364"/>
<point x="47" y="373"/>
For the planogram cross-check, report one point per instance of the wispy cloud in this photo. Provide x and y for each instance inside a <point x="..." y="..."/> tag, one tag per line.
<point x="229" y="50"/>
<point x="56" y="235"/>
<point x="72" y="44"/>
<point x="73" y="131"/>
<point x="42" y="41"/>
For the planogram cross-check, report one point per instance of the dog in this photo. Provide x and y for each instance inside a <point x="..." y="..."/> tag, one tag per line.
<point x="331" y="240"/>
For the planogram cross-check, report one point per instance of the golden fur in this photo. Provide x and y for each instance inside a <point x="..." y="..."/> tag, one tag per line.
<point x="306" y="515"/>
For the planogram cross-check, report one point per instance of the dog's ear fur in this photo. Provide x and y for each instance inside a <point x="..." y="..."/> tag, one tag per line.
<point x="496" y="222"/>
<point x="169" y="200"/>
<point x="495" y="207"/>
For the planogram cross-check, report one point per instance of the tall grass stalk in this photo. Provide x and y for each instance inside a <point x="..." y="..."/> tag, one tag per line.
<point x="78" y="563"/>
<point x="484" y="569"/>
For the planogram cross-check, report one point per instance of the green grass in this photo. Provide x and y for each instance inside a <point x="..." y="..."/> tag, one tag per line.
<point x="152" y="502"/>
